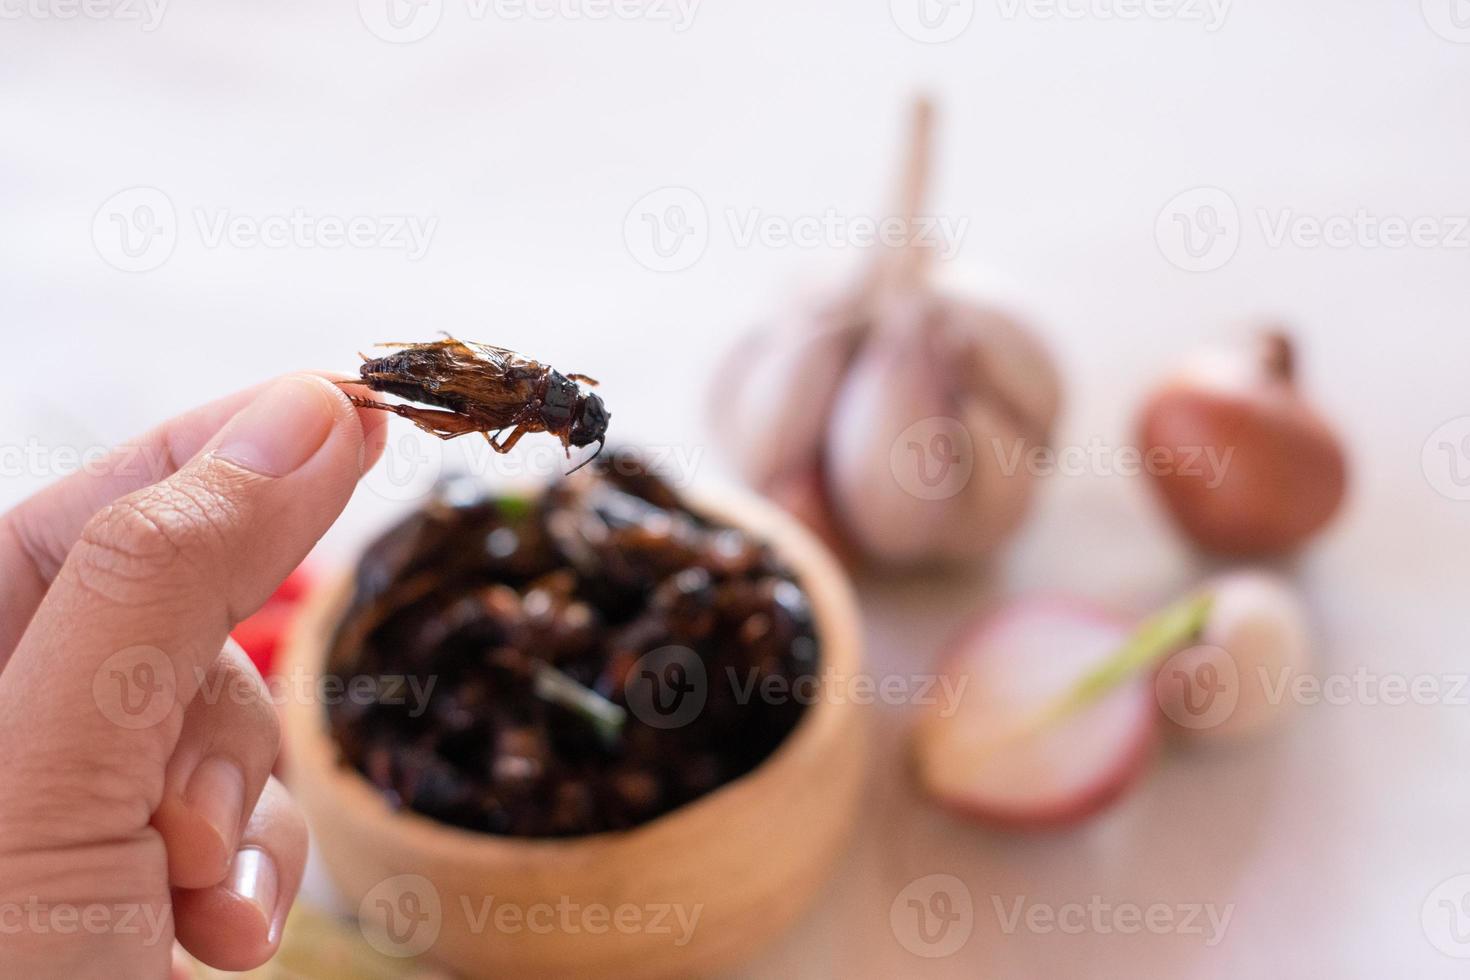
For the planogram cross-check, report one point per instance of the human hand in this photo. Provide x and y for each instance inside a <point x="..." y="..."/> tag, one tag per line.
<point x="136" y="802"/>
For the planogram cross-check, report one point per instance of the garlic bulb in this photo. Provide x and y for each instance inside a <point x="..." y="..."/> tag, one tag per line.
<point x="772" y="398"/>
<point x="896" y="420"/>
<point x="925" y="450"/>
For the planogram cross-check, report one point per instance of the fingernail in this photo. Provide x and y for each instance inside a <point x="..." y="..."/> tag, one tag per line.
<point x="253" y="877"/>
<point x="216" y="791"/>
<point x="280" y="429"/>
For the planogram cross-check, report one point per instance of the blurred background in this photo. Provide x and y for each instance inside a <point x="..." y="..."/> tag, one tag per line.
<point x="197" y="197"/>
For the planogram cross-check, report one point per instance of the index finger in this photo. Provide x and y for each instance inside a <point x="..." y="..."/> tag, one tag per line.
<point x="37" y="535"/>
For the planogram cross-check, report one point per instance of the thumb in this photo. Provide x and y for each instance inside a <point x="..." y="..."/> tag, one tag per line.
<point x="93" y="700"/>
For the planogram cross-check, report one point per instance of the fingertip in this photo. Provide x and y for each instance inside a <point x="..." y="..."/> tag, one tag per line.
<point x="374" y="436"/>
<point x="372" y="426"/>
<point x="182" y="965"/>
<point x="282" y="428"/>
<point x="198" y="855"/>
<point x="233" y="925"/>
<point x="237" y="924"/>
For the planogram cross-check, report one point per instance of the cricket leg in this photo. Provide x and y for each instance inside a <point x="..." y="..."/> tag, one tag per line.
<point x="445" y="425"/>
<point x="589" y="381"/>
<point x="448" y="340"/>
<point x="508" y="442"/>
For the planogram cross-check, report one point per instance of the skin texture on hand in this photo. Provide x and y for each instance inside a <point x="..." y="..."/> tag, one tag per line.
<point x="136" y="803"/>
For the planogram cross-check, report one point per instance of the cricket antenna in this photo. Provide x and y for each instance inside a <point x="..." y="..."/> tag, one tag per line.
<point x="600" y="444"/>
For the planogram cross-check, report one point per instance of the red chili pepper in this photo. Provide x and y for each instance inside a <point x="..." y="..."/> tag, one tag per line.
<point x="261" y="634"/>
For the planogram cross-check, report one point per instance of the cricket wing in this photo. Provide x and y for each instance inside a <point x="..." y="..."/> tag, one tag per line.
<point x="496" y="386"/>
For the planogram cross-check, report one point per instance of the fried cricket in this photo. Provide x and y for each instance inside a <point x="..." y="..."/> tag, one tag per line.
<point x="485" y="389"/>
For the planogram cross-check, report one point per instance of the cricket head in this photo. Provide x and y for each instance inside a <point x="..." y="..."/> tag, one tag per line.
<point x="590" y="424"/>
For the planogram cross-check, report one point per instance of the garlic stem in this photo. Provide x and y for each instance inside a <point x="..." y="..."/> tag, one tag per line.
<point x="905" y="266"/>
<point x="913" y="258"/>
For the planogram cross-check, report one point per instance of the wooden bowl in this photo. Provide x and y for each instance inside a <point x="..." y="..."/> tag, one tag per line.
<point x="745" y="859"/>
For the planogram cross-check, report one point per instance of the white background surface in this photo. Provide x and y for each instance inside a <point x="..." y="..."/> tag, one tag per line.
<point x="529" y="141"/>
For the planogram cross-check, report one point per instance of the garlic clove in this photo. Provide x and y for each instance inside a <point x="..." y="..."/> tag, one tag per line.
<point x="777" y="387"/>
<point x="1242" y="463"/>
<point x="1236" y="681"/>
<point x="925" y="449"/>
<point x="1008" y="359"/>
<point x="802" y="493"/>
